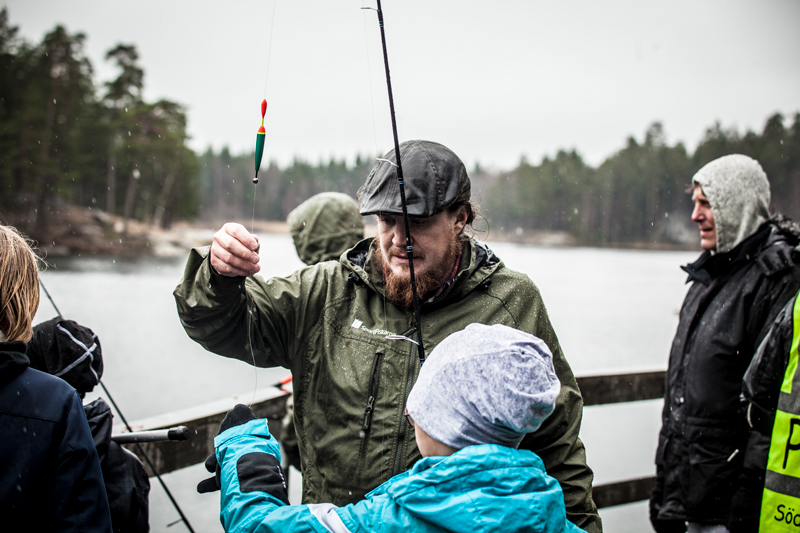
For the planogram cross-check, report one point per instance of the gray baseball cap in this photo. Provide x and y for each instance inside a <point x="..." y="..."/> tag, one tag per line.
<point x="435" y="179"/>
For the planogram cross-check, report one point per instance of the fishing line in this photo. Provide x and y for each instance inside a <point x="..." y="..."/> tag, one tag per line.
<point x="269" y="49"/>
<point x="250" y="312"/>
<point x="41" y="284"/>
<point x="250" y="319"/>
<point x="369" y="78"/>
<point x="260" y="141"/>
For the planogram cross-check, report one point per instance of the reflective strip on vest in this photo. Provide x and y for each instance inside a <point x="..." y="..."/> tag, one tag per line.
<point x="780" y="504"/>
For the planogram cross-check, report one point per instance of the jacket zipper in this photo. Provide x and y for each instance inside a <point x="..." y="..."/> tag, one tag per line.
<point x="374" y="380"/>
<point x="402" y="428"/>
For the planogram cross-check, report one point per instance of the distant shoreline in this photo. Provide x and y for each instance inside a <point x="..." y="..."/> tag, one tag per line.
<point x="68" y="230"/>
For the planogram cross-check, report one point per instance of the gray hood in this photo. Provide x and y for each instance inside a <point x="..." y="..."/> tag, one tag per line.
<point x="737" y="189"/>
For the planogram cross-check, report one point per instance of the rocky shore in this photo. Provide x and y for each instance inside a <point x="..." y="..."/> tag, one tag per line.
<point x="71" y="230"/>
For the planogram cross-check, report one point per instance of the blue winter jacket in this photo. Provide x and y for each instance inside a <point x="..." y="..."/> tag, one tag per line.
<point x="480" y="488"/>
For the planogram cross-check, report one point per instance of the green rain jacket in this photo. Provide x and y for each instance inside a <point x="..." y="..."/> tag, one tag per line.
<point x="328" y="324"/>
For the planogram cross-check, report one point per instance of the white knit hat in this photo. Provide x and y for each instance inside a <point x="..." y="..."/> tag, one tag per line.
<point x="485" y="384"/>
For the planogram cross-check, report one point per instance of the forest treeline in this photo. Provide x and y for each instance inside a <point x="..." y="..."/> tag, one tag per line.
<point x="639" y="194"/>
<point x="65" y="138"/>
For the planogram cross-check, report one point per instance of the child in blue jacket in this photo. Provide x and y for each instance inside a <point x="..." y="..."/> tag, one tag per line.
<point x="478" y="393"/>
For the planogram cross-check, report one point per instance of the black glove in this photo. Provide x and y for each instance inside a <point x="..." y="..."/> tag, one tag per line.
<point x="659" y="524"/>
<point x="240" y="414"/>
<point x="213" y="483"/>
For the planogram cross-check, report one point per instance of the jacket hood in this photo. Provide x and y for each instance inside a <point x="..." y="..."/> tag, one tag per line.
<point x="68" y="351"/>
<point x="12" y="360"/>
<point x="505" y="490"/>
<point x="324" y="226"/>
<point x="737" y="189"/>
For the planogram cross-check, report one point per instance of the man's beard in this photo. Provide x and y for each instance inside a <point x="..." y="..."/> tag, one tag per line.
<point x="398" y="286"/>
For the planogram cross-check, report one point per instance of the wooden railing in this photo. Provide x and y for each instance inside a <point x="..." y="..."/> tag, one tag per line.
<point x="602" y="390"/>
<point x="203" y="423"/>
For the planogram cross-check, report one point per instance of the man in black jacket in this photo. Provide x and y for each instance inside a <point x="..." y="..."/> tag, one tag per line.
<point x="740" y="282"/>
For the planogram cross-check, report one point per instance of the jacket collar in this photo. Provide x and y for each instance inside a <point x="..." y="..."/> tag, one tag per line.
<point x="709" y="266"/>
<point x="12" y="360"/>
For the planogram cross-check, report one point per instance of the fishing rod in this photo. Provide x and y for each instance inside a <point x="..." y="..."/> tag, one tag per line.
<point x="178" y="433"/>
<point x="119" y="412"/>
<point x="401" y="183"/>
<point x="149" y="462"/>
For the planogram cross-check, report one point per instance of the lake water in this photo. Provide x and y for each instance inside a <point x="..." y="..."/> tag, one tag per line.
<point x="615" y="311"/>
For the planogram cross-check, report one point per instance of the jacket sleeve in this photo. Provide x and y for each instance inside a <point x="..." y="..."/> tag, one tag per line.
<point x="249" y="319"/>
<point x="557" y="441"/>
<point x="253" y="489"/>
<point x="80" y="502"/>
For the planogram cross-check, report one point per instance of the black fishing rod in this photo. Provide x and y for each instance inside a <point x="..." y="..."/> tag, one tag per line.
<point x="401" y="183"/>
<point x="177" y="433"/>
<point x="149" y="462"/>
<point x="116" y="408"/>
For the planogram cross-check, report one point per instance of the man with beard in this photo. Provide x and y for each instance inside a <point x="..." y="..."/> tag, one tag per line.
<point x="346" y="330"/>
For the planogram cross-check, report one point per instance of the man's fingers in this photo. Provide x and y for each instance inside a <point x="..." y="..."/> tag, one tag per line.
<point x="228" y="264"/>
<point x="240" y="233"/>
<point x="238" y="241"/>
<point x="226" y="269"/>
<point x="234" y="251"/>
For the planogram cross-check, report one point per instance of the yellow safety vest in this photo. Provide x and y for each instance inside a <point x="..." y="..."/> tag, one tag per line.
<point x="780" y="504"/>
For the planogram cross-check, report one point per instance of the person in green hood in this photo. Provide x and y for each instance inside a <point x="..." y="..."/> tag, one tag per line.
<point x="346" y="329"/>
<point x="325" y="226"/>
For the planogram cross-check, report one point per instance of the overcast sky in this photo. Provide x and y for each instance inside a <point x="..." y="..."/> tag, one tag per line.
<point x="492" y="80"/>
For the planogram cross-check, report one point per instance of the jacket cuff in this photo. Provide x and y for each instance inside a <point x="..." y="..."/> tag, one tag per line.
<point x="254" y="428"/>
<point x="221" y="284"/>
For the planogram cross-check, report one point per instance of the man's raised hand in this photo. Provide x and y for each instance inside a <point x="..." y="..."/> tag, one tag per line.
<point x="234" y="251"/>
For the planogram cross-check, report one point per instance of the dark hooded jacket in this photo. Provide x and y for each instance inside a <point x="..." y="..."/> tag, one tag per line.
<point x="733" y="300"/>
<point x="51" y="478"/>
<point x="72" y="352"/>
